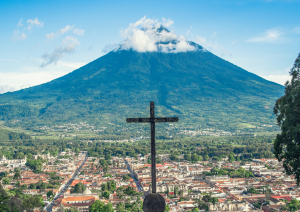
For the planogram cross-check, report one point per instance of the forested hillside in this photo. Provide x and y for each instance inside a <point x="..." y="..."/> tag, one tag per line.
<point x="198" y="87"/>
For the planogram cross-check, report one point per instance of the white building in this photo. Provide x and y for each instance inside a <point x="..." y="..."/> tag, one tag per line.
<point x="13" y="163"/>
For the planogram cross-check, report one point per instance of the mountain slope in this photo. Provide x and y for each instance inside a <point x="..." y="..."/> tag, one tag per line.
<point x="199" y="87"/>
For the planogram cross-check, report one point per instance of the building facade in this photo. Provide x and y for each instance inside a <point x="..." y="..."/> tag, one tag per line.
<point x="13" y="163"/>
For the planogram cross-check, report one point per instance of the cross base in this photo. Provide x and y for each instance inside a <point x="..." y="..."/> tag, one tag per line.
<point x="154" y="203"/>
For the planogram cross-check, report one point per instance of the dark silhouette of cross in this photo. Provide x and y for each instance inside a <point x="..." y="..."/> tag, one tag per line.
<point x="152" y="120"/>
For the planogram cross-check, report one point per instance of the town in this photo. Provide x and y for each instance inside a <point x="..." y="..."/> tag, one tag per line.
<point x="75" y="181"/>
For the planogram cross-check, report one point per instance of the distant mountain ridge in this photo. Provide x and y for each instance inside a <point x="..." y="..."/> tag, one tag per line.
<point x="199" y="87"/>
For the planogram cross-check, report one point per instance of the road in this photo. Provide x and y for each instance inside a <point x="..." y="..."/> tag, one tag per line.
<point x="63" y="190"/>
<point x="138" y="185"/>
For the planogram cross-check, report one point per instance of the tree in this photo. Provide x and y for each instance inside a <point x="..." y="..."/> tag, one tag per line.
<point x="43" y="186"/>
<point x="105" y="194"/>
<point x="109" y="185"/>
<point x="18" y="185"/>
<point x="97" y="206"/>
<point x="126" y="177"/>
<point x="3" y="197"/>
<point x="35" y="164"/>
<point x="32" y="186"/>
<point x="105" y="169"/>
<point x="3" y="174"/>
<point x="268" y="192"/>
<point x="112" y="185"/>
<point x="79" y="188"/>
<point x="167" y="208"/>
<point x="107" y="157"/>
<point x="24" y="186"/>
<point x="109" y="207"/>
<point x="17" y="169"/>
<point x="129" y="191"/>
<point x="176" y="189"/>
<point x="3" y="207"/>
<point x="15" y="204"/>
<point x="187" y="157"/>
<point x="287" y="110"/>
<point x="231" y="157"/>
<point x="194" y="157"/>
<point x="31" y="202"/>
<point x="120" y="207"/>
<point x="5" y="181"/>
<point x="49" y="194"/>
<point x="104" y="187"/>
<point x="206" y="157"/>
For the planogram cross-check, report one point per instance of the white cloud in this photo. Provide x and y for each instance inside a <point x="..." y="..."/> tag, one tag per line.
<point x="212" y="46"/>
<point x="109" y="47"/>
<point x="32" y="75"/>
<point x="6" y="88"/>
<point x="145" y="35"/>
<point x="213" y="35"/>
<point x="233" y="42"/>
<point x="66" y="29"/>
<point x="280" y="78"/>
<point x="167" y="22"/>
<point x="79" y="32"/>
<point x="270" y="36"/>
<point x="59" y="32"/>
<point x="35" y="22"/>
<point x="20" y="23"/>
<point x="188" y="32"/>
<point x="17" y="35"/>
<point x="50" y="35"/>
<point x="68" y="46"/>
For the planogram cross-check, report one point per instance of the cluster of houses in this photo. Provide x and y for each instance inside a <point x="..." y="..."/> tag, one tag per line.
<point x="56" y="172"/>
<point x="93" y="175"/>
<point x="184" y="185"/>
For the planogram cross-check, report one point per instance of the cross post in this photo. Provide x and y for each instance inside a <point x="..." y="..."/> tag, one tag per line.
<point x="152" y="120"/>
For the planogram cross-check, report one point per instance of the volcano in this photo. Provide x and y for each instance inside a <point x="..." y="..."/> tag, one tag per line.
<point x="200" y="88"/>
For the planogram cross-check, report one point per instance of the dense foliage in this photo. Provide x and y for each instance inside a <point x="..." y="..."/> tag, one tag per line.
<point x="78" y="188"/>
<point x="287" y="110"/>
<point x="15" y="200"/>
<point x="6" y="135"/>
<point x="99" y="206"/>
<point x="239" y="173"/>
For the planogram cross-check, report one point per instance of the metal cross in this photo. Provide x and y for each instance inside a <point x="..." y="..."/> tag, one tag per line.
<point x="152" y="121"/>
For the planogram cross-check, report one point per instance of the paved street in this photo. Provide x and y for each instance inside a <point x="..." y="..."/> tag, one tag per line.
<point x="62" y="191"/>
<point x="132" y="176"/>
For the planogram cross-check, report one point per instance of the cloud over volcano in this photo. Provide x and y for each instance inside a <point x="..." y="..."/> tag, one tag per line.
<point x="148" y="35"/>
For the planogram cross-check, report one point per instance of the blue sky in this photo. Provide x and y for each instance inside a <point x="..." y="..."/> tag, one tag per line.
<point x="43" y="40"/>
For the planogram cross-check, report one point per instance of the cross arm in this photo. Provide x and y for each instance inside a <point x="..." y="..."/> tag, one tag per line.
<point x="166" y="119"/>
<point x="144" y="120"/>
<point x="137" y="120"/>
